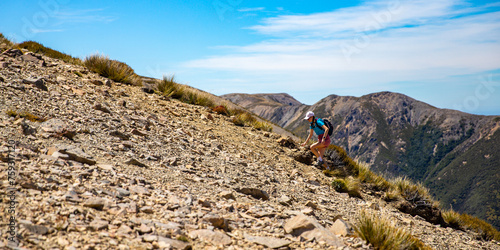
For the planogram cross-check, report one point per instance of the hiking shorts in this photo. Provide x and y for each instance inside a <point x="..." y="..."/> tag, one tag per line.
<point x="326" y="142"/>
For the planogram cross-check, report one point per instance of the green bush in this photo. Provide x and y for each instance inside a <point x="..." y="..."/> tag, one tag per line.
<point x="112" y="69"/>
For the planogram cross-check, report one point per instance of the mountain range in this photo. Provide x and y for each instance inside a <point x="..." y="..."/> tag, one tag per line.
<point x="454" y="154"/>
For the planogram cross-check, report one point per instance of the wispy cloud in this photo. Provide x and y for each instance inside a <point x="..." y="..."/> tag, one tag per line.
<point x="36" y="31"/>
<point x="381" y="36"/>
<point x="251" y="9"/>
<point x="379" y="45"/>
<point x="83" y="16"/>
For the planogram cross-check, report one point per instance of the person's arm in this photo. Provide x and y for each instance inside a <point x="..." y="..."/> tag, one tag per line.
<point x="308" y="138"/>
<point x="326" y="131"/>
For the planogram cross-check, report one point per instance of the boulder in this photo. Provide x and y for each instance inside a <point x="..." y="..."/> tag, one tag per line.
<point x="216" y="238"/>
<point x="254" y="192"/>
<point x="39" y="83"/>
<point x="310" y="229"/>
<point x="269" y="242"/>
<point x="96" y="203"/>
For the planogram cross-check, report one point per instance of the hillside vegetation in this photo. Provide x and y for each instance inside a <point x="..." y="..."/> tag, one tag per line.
<point x="453" y="153"/>
<point x="106" y="165"/>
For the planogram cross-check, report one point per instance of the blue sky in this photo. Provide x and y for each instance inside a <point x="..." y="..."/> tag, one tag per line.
<point x="444" y="52"/>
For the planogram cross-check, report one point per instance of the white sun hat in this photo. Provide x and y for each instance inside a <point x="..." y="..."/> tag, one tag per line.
<point x="309" y="115"/>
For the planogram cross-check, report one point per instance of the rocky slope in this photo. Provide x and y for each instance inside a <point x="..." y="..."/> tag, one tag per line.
<point x="93" y="164"/>
<point x="455" y="154"/>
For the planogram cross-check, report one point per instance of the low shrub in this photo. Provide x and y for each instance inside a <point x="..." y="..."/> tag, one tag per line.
<point x="221" y="110"/>
<point x="112" y="69"/>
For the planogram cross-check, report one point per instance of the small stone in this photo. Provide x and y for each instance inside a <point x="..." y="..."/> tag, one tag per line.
<point x="36" y="229"/>
<point x="269" y="242"/>
<point x="307" y="211"/>
<point x="285" y="200"/>
<point x="39" y="83"/>
<point x="119" y="134"/>
<point x="227" y="195"/>
<point x="216" y="221"/>
<point x="147" y="210"/>
<point x="176" y="244"/>
<point x="124" y="229"/>
<point x="122" y="192"/>
<point x="144" y="229"/>
<point x="97" y="225"/>
<point x="62" y="242"/>
<point x="216" y="238"/>
<point x="139" y="190"/>
<point x="137" y="132"/>
<point x="136" y="163"/>
<point x="149" y="238"/>
<point x="340" y="227"/>
<point x="102" y="107"/>
<point x="96" y="203"/>
<point x="254" y="192"/>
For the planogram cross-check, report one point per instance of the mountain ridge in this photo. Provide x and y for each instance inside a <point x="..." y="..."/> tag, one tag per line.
<point x="100" y="164"/>
<point x="399" y="135"/>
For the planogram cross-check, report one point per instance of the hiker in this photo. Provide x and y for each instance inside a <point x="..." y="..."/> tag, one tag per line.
<point x="318" y="148"/>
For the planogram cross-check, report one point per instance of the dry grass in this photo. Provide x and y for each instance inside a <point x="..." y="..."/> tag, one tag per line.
<point x="379" y="232"/>
<point x="26" y="115"/>
<point x="415" y="193"/>
<point x="404" y="188"/>
<point x="170" y="88"/>
<point x="112" y="69"/>
<point x="452" y="218"/>
<point x="483" y="228"/>
<point x="348" y="185"/>
<point x="40" y="49"/>
<point x="5" y="43"/>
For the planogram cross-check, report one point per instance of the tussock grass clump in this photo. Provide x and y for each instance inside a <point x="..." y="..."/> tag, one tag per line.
<point x="348" y="185"/>
<point x="26" y="115"/>
<point x="170" y="88"/>
<point x="483" y="228"/>
<point x="379" y="232"/>
<point x="40" y="49"/>
<point x="112" y="69"/>
<point x="5" y="43"/>
<point x="452" y="218"/>
<point x="415" y="193"/>
<point x="360" y="171"/>
<point x="243" y="118"/>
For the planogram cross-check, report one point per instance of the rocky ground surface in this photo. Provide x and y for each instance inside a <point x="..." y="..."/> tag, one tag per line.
<point x="113" y="167"/>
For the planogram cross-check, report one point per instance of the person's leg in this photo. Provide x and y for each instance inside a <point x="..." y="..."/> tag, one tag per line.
<point x="321" y="154"/>
<point x="314" y="149"/>
<point x="322" y="150"/>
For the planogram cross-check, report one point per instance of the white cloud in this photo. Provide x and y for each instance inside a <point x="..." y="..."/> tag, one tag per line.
<point x="377" y="43"/>
<point x="36" y="31"/>
<point x="83" y="16"/>
<point x="251" y="9"/>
